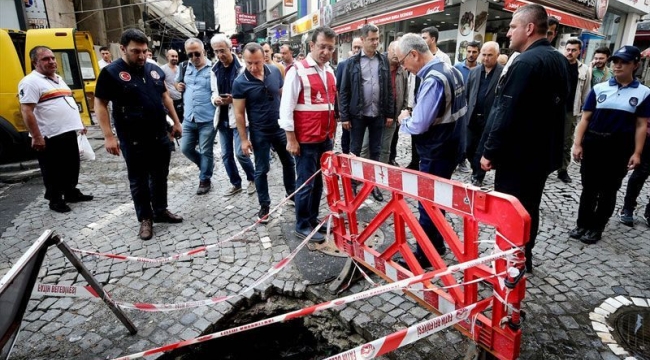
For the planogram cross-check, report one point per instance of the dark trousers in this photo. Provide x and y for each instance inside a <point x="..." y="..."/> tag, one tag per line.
<point x="345" y="141"/>
<point x="415" y="157"/>
<point x="147" y="164"/>
<point x="262" y="141"/>
<point x="393" y="145"/>
<point x="473" y="153"/>
<point x="603" y="167"/>
<point x="438" y="156"/>
<point x="59" y="163"/>
<point x="637" y="179"/>
<point x="178" y="107"/>
<point x="375" y="126"/>
<point x="527" y="186"/>
<point x="308" y="198"/>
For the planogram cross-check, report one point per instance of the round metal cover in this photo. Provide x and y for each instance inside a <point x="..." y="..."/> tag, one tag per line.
<point x="633" y="328"/>
<point x="329" y="247"/>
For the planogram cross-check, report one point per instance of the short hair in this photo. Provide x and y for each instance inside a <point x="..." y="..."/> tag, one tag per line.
<point x="432" y="31"/>
<point x="301" y="54"/>
<point x="286" y="45"/>
<point x="476" y="44"/>
<point x="326" y="31"/>
<point x="252" y="48"/>
<point x="603" y="50"/>
<point x="135" y="35"/>
<point x="491" y="44"/>
<point x="33" y="53"/>
<point x="535" y="14"/>
<point x="220" y="38"/>
<point x="368" y="28"/>
<point x="265" y="43"/>
<point x="412" y="41"/>
<point x="575" y="41"/>
<point x="552" y="20"/>
<point x="194" y="41"/>
<point x="103" y="48"/>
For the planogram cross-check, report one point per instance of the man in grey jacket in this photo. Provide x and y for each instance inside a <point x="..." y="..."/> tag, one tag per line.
<point x="399" y="80"/>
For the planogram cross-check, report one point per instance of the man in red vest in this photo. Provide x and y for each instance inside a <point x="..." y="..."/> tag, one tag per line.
<point x="307" y="115"/>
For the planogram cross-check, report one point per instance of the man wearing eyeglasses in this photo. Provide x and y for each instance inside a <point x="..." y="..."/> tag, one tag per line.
<point x="436" y="122"/>
<point x="198" y="122"/>
<point x="52" y="118"/>
<point x="256" y="93"/>
<point x="307" y="114"/>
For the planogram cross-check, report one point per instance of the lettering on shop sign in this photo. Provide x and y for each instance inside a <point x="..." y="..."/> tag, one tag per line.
<point x="344" y="7"/>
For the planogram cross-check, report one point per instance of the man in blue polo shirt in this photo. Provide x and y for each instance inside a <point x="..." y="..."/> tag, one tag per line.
<point x="609" y="141"/>
<point x="470" y="61"/>
<point x="256" y="92"/>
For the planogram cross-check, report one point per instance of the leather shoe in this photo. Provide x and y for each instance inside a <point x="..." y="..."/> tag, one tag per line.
<point x="146" y="229"/>
<point x="204" y="187"/>
<point x="591" y="237"/>
<point x="563" y="176"/>
<point x="59" y="206"/>
<point x="413" y="166"/>
<point x="316" y="238"/>
<point x="376" y="193"/>
<point x="577" y="233"/>
<point x="78" y="196"/>
<point x="167" y="217"/>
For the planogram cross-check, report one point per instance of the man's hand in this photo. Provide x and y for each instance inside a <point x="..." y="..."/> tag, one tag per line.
<point x="83" y="131"/>
<point x="346" y="125"/>
<point x="403" y="115"/>
<point x="180" y="87"/>
<point x="389" y="122"/>
<point x="111" y="145"/>
<point x="293" y="147"/>
<point x="577" y="152"/>
<point x="38" y="143"/>
<point x="177" y="131"/>
<point x="486" y="164"/>
<point x="225" y="100"/>
<point x="635" y="161"/>
<point x="246" y="147"/>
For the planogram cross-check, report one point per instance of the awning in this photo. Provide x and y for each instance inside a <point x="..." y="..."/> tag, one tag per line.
<point x="274" y="22"/>
<point x="174" y="14"/>
<point x="563" y="17"/>
<point x="406" y="13"/>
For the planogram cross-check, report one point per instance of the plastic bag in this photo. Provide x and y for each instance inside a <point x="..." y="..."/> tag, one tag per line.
<point x="86" y="152"/>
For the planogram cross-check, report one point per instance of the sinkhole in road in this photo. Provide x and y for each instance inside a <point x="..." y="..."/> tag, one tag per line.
<point x="312" y="337"/>
<point x="632" y="325"/>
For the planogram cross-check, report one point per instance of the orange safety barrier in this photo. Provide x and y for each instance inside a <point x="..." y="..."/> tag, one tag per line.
<point x="497" y="330"/>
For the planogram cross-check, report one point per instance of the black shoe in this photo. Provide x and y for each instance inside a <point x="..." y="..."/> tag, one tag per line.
<point x="204" y="187"/>
<point x="413" y="166"/>
<point x="263" y="214"/>
<point x="563" y="176"/>
<point x="316" y="238"/>
<point x="167" y="217"/>
<point x="78" y="196"/>
<point x="591" y="237"/>
<point x="626" y="217"/>
<point x="577" y="232"/>
<point x="377" y="194"/>
<point x="59" y="206"/>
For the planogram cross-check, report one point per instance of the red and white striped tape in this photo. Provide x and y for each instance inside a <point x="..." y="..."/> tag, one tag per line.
<point x="430" y="276"/>
<point x="406" y="336"/>
<point x="200" y="249"/>
<point x="65" y="290"/>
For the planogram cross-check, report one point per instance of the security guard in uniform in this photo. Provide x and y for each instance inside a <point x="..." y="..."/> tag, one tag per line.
<point x="137" y="90"/>
<point x="609" y="141"/>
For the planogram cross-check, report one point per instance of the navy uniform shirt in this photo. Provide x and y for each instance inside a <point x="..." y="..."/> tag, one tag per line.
<point x="616" y="108"/>
<point x="262" y="98"/>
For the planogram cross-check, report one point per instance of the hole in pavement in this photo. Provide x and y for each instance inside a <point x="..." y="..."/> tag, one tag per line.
<point x="311" y="337"/>
<point x="632" y="325"/>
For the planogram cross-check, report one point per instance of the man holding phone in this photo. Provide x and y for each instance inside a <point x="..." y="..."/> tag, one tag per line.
<point x="222" y="76"/>
<point x="198" y="129"/>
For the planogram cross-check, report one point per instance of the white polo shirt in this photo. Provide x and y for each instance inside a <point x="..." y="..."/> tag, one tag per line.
<point x="56" y="110"/>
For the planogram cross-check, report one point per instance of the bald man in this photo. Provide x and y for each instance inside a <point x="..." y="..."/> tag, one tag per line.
<point x="171" y="69"/>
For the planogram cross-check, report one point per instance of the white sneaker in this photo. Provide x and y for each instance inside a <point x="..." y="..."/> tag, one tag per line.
<point x="250" y="190"/>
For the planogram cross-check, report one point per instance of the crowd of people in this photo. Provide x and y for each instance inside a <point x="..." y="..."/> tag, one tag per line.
<point x="524" y="117"/>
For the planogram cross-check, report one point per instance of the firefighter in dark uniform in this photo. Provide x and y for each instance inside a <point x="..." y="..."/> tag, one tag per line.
<point x="137" y="90"/>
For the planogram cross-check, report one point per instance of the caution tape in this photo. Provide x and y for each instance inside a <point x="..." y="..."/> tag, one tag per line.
<point x="65" y="290"/>
<point x="406" y="336"/>
<point x="198" y="250"/>
<point x="430" y="276"/>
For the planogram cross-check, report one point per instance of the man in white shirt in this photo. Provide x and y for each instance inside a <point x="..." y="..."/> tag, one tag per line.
<point x="52" y="116"/>
<point x="430" y="36"/>
<point x="106" y="57"/>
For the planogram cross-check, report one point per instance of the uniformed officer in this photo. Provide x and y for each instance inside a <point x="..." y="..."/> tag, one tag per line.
<point x="608" y="142"/>
<point x="137" y="90"/>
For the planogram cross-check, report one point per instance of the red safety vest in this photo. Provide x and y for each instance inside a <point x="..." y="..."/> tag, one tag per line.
<point x="313" y="116"/>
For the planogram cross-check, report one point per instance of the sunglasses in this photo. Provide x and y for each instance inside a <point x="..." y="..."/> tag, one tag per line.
<point x="194" y="54"/>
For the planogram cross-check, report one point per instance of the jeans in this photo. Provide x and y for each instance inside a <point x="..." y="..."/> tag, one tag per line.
<point x="375" y="126"/>
<point x="59" y="163"/>
<point x="308" y="198"/>
<point x="637" y="179"/>
<point x="228" y="138"/>
<point x="262" y="142"/>
<point x="147" y="164"/>
<point x="201" y="134"/>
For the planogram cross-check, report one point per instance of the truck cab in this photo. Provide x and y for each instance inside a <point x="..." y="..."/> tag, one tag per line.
<point x="77" y="65"/>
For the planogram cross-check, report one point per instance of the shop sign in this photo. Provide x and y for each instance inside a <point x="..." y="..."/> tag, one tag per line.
<point x="36" y="14"/>
<point x="345" y="6"/>
<point x="243" y="18"/>
<point x="288" y="3"/>
<point x="352" y="26"/>
<point x="410" y="12"/>
<point x="563" y="17"/>
<point x="305" y="23"/>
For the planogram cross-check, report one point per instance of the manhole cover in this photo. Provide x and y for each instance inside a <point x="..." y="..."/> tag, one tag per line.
<point x="633" y="327"/>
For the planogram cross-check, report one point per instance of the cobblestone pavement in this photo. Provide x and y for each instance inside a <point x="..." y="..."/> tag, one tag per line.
<point x="570" y="278"/>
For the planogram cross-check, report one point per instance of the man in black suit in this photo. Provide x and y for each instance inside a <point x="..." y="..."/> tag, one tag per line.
<point x="479" y="91"/>
<point x="525" y="136"/>
<point x="357" y="45"/>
